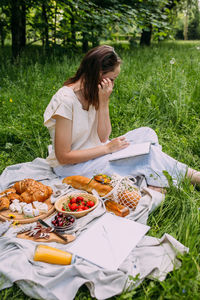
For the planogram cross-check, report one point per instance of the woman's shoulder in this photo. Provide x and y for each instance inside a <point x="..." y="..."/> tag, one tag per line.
<point x="61" y="104"/>
<point x="64" y="94"/>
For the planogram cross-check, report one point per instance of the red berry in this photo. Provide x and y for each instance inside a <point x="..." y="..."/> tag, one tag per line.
<point x="79" y="198"/>
<point x="73" y="200"/>
<point x="74" y="206"/>
<point x="90" y="203"/>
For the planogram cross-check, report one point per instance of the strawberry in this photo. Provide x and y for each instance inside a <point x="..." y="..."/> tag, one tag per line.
<point x="90" y="203"/>
<point x="73" y="200"/>
<point x="74" y="206"/>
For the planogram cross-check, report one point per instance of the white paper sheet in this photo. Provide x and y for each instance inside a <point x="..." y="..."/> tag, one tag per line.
<point x="131" y="150"/>
<point x="109" y="241"/>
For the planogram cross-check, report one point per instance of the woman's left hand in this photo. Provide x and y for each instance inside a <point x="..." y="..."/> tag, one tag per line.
<point x="105" y="89"/>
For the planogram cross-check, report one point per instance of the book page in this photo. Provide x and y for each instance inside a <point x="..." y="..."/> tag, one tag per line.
<point x="109" y="241"/>
<point x="131" y="150"/>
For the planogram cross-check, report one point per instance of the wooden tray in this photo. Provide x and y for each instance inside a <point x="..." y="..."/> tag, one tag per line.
<point x="21" y="219"/>
<point x="53" y="238"/>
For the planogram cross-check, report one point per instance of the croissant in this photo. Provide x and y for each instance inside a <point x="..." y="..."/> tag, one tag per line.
<point x="87" y="184"/>
<point x="21" y="186"/>
<point x="32" y="190"/>
<point x="4" y="203"/>
<point x="26" y="197"/>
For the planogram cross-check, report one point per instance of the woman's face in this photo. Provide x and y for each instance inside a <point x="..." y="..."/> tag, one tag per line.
<point x="112" y="75"/>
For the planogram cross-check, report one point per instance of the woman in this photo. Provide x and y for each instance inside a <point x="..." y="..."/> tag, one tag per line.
<point x="79" y="124"/>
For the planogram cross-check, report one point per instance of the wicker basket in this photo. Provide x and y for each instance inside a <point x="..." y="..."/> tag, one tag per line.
<point x="65" y="199"/>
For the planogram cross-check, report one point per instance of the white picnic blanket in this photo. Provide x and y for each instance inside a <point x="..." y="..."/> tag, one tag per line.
<point x="152" y="258"/>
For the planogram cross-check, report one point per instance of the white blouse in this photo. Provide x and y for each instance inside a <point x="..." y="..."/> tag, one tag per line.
<point x="84" y="123"/>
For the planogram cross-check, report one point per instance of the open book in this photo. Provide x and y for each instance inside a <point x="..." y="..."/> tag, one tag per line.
<point x="130" y="151"/>
<point x="108" y="241"/>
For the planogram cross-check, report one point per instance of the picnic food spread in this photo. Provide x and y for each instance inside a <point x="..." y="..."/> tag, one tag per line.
<point x="103" y="185"/>
<point x="87" y="184"/>
<point x="27" y="190"/>
<point x="27" y="198"/>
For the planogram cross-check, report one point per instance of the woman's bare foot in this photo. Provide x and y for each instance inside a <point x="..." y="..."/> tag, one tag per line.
<point x="157" y="189"/>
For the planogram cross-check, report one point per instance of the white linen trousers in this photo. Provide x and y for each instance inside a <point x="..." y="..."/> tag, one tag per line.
<point x="150" y="165"/>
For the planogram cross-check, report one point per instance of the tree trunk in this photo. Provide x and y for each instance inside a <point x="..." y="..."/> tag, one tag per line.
<point x="185" y="31"/>
<point x="145" y="39"/>
<point x="16" y="28"/>
<point x="2" y="34"/>
<point x="95" y="40"/>
<point x="73" y="32"/>
<point x="46" y="26"/>
<point x="84" y="43"/>
<point x="23" y="24"/>
<point x="55" y="23"/>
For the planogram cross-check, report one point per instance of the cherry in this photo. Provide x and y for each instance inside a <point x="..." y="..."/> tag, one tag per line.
<point x="60" y="214"/>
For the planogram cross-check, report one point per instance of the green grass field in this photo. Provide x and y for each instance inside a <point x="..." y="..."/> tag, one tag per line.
<point x="158" y="87"/>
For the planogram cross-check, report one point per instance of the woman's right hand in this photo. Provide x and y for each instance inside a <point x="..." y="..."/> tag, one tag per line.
<point x="105" y="89"/>
<point x="116" y="144"/>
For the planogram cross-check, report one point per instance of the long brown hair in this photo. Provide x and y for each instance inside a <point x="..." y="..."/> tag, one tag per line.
<point x="96" y="62"/>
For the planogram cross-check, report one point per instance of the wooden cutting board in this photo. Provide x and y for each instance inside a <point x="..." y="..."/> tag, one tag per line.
<point x="21" y="219"/>
<point x="53" y="238"/>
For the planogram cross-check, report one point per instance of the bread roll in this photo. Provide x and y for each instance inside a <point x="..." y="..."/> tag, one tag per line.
<point x="129" y="198"/>
<point x="87" y="184"/>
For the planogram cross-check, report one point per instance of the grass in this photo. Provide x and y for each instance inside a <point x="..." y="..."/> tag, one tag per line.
<point x="150" y="91"/>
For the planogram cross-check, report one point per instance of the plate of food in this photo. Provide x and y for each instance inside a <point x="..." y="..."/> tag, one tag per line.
<point x="26" y="201"/>
<point x="77" y="204"/>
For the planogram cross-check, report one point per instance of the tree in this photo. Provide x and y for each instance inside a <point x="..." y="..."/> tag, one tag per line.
<point x="18" y="26"/>
<point x="194" y="24"/>
<point x="4" y="24"/>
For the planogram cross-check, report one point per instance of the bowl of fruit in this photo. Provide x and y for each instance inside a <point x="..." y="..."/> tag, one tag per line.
<point x="62" y="222"/>
<point x="77" y="205"/>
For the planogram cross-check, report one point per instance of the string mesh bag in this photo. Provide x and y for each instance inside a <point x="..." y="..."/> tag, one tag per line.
<point x="124" y="191"/>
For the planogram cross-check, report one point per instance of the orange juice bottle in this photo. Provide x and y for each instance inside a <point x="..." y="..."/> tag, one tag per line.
<point x="53" y="255"/>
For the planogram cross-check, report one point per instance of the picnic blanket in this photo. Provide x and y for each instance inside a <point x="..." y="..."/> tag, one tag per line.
<point x="152" y="258"/>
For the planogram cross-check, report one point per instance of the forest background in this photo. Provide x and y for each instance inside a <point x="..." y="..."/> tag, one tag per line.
<point x="79" y="23"/>
<point x="42" y="43"/>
